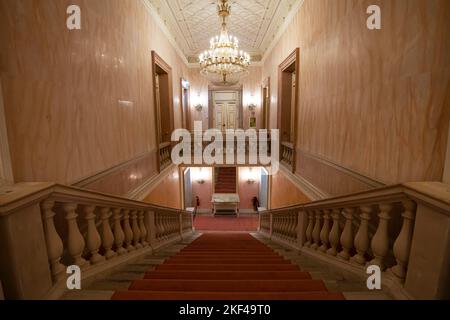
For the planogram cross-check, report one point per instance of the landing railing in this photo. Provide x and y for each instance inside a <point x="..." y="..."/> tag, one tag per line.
<point x="48" y="227"/>
<point x="241" y="145"/>
<point x="164" y="155"/>
<point x="394" y="228"/>
<point x="287" y="152"/>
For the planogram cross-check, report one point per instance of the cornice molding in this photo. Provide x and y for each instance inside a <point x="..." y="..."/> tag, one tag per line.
<point x="165" y="30"/>
<point x="282" y="30"/>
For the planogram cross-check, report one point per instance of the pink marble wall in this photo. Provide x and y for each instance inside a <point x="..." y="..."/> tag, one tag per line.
<point x="283" y="193"/>
<point x="246" y="190"/>
<point x="168" y="192"/>
<point x="375" y="102"/>
<point x="62" y="89"/>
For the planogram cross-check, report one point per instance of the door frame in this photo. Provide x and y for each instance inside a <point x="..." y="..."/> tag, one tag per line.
<point x="158" y="62"/>
<point x="265" y="112"/>
<point x="294" y="57"/>
<point x="238" y="89"/>
<point x="185" y="116"/>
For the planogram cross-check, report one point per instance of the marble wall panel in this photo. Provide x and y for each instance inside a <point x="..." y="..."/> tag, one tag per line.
<point x="80" y="102"/>
<point x="284" y="193"/>
<point x="375" y="102"/>
<point x="168" y="192"/>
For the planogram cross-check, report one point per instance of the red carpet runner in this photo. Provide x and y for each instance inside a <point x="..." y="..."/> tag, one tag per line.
<point x="227" y="266"/>
<point x="206" y="223"/>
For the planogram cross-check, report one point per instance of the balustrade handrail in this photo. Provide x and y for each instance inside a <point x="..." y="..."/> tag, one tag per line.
<point x="49" y="226"/>
<point x="25" y="193"/>
<point x="375" y="227"/>
<point x="287" y="144"/>
<point x="430" y="192"/>
<point x="164" y="145"/>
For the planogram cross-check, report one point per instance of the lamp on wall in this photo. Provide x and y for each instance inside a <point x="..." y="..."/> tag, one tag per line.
<point x="200" y="176"/>
<point x="197" y="103"/>
<point x="251" y="103"/>
<point x="251" y="176"/>
<point x="198" y="107"/>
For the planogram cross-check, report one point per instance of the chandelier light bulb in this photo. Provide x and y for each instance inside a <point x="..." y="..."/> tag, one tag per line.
<point x="224" y="58"/>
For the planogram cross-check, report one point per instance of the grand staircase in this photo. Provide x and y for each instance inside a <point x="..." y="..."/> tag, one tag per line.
<point x="225" y="180"/>
<point x="226" y="266"/>
<point x="141" y="251"/>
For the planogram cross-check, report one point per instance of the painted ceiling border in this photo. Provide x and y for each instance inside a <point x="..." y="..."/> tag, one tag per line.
<point x="282" y="30"/>
<point x="165" y="30"/>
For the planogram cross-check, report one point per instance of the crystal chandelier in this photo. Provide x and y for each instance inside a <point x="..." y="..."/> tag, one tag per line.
<point x="224" y="62"/>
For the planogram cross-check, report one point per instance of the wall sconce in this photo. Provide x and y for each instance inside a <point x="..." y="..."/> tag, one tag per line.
<point x="251" y="103"/>
<point x="200" y="176"/>
<point x="197" y="103"/>
<point x="251" y="176"/>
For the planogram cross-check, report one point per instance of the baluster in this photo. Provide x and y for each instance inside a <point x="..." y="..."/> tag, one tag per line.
<point x="135" y="229"/>
<point x="75" y="241"/>
<point x="402" y="245"/>
<point x="106" y="233"/>
<point x="282" y="226"/>
<point x="93" y="240"/>
<point x="316" y="231"/>
<point x="119" y="235"/>
<point x="294" y="226"/>
<point x="128" y="231"/>
<point x="161" y="231"/>
<point x="53" y="241"/>
<point x="380" y="241"/>
<point x="335" y="233"/>
<point x="325" y="233"/>
<point x="347" y="234"/>
<point x="165" y="226"/>
<point x="151" y="229"/>
<point x="159" y="227"/>
<point x="362" y="241"/>
<point x="142" y="228"/>
<point x="309" y="229"/>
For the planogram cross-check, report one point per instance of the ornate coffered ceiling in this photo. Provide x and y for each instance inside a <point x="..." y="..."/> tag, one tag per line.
<point x="192" y="23"/>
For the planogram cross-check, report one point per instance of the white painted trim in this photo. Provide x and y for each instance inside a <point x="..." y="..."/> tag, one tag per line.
<point x="164" y="29"/>
<point x="6" y="173"/>
<point x="190" y="65"/>
<point x="446" y="175"/>
<point x="282" y="30"/>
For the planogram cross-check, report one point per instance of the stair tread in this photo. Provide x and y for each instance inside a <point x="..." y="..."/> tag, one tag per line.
<point x="167" y="295"/>
<point x="228" y="266"/>
<point x="230" y="275"/>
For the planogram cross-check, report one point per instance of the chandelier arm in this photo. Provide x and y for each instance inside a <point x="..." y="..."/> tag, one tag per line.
<point x="224" y="58"/>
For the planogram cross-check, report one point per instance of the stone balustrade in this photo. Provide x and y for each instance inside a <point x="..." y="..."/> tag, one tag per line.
<point x="91" y="230"/>
<point x="165" y="150"/>
<point x="377" y="227"/>
<point x="287" y="155"/>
